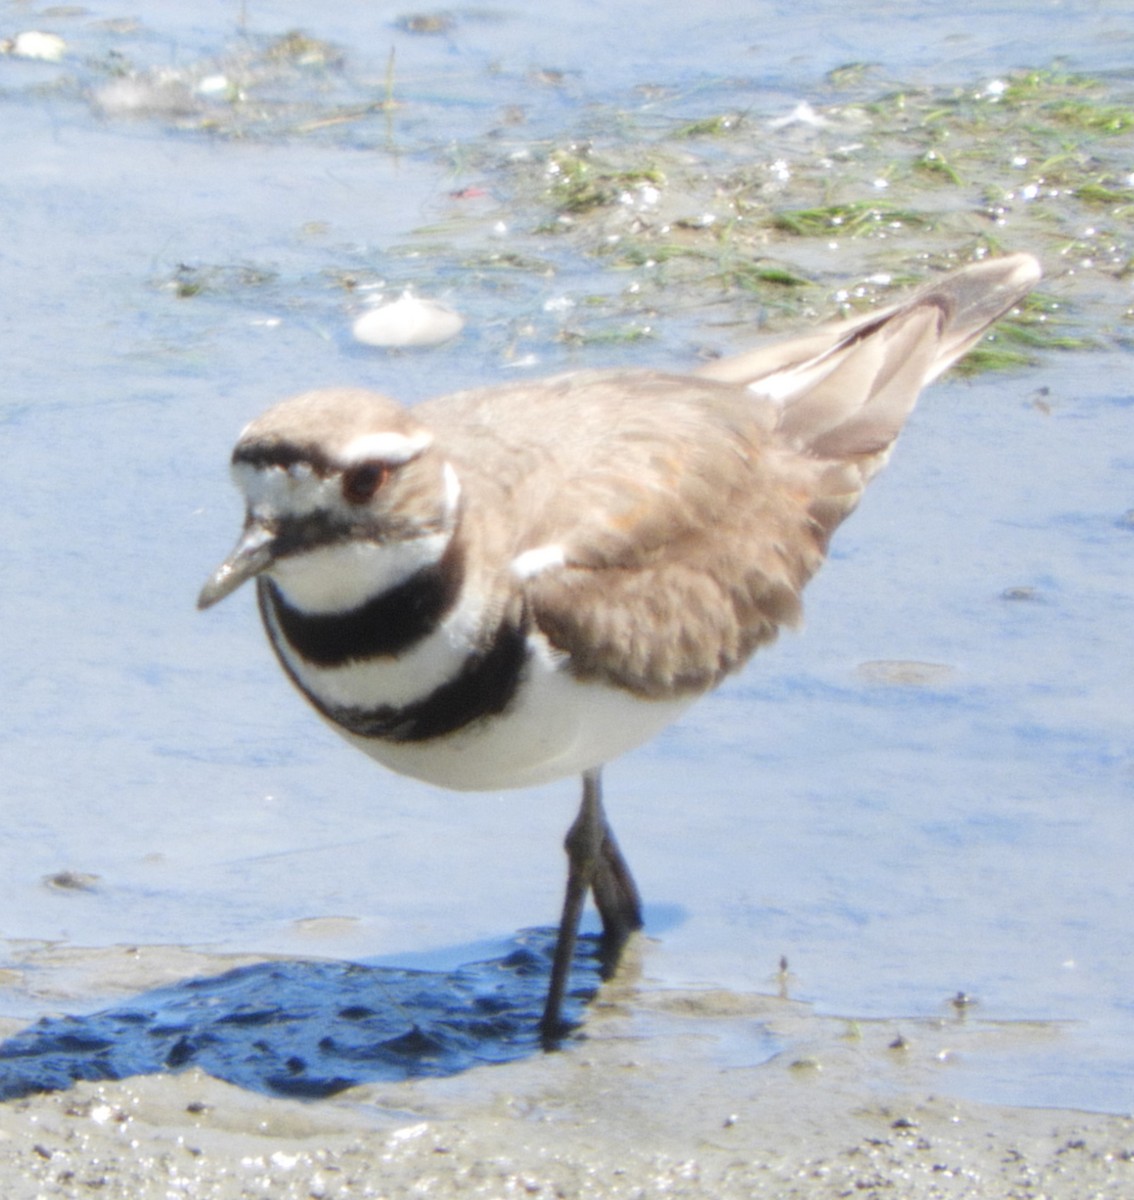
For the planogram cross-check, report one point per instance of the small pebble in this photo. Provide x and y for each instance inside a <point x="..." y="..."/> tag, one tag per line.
<point x="905" y="673"/>
<point x="71" y="881"/>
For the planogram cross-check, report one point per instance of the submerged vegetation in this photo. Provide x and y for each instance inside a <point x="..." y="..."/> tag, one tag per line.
<point x="871" y="184"/>
<point x="749" y="215"/>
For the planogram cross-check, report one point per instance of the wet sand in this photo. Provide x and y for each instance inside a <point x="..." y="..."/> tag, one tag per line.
<point x="650" y="1102"/>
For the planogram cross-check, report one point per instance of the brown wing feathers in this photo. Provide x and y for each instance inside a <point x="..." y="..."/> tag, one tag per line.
<point x="691" y="510"/>
<point x="682" y="556"/>
<point x="725" y="521"/>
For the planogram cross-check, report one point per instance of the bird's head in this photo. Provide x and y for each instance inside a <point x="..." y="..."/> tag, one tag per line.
<point x="345" y="498"/>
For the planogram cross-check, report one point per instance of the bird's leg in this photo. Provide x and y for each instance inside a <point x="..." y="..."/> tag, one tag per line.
<point x="615" y="892"/>
<point x="594" y="862"/>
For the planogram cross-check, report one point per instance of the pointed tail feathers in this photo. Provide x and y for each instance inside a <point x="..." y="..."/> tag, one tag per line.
<point x="846" y="390"/>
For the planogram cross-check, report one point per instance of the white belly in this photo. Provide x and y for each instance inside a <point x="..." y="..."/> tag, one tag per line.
<point x="555" y="726"/>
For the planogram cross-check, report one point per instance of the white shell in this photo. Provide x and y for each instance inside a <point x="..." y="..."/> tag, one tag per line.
<point x="32" y="43"/>
<point x="158" y="94"/>
<point x="409" y="321"/>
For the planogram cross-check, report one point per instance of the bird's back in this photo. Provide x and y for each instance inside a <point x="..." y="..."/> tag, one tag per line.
<point x="674" y="519"/>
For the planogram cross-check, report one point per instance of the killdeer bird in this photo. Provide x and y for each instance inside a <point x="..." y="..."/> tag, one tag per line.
<point x="507" y="585"/>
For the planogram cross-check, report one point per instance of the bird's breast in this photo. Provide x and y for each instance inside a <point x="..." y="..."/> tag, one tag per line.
<point x="553" y="726"/>
<point x="461" y="706"/>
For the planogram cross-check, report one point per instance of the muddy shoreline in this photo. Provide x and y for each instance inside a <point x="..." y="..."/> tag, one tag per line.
<point x="655" y="1099"/>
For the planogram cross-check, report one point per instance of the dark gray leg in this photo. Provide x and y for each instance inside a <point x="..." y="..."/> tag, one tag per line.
<point x="594" y="863"/>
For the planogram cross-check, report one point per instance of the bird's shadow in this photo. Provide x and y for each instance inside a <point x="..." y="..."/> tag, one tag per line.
<point x="308" y="1028"/>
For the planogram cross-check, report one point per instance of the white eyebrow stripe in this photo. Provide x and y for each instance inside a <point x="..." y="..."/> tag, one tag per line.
<point x="541" y="558"/>
<point x="387" y="447"/>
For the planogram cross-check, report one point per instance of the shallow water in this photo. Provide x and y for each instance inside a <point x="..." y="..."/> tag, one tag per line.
<point x="898" y="843"/>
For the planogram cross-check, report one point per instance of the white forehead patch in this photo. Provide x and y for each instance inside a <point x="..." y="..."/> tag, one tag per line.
<point x="387" y="447"/>
<point x="296" y="490"/>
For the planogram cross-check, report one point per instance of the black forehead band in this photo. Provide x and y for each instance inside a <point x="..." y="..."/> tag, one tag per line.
<point x="284" y="455"/>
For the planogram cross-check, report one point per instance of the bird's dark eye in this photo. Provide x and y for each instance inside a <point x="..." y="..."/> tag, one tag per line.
<point x="361" y="482"/>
